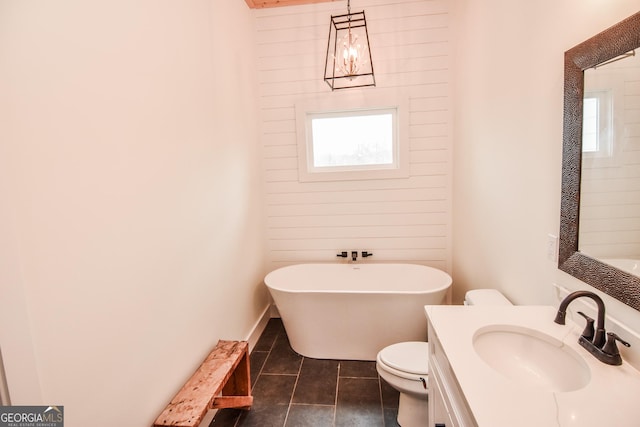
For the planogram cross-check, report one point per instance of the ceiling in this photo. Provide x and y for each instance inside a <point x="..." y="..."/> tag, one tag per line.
<point x="260" y="4"/>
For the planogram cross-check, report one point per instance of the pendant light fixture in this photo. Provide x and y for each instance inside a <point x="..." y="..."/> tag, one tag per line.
<point x="348" y="63"/>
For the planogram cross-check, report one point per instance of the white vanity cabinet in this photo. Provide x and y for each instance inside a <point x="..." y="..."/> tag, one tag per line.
<point x="466" y="391"/>
<point x="447" y="405"/>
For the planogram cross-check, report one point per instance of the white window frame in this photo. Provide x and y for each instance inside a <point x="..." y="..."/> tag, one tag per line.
<point x="357" y="103"/>
<point x="604" y="84"/>
<point x="604" y="124"/>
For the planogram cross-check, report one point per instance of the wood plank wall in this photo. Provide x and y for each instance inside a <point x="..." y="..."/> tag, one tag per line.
<point x="399" y="220"/>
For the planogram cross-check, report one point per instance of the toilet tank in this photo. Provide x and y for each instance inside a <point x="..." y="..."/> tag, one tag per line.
<point x="485" y="297"/>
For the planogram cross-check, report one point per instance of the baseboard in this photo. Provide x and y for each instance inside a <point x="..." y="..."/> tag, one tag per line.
<point x="275" y="314"/>
<point x="258" y="328"/>
<point x="5" y="400"/>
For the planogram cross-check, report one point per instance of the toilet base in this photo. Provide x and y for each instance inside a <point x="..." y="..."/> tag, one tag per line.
<point x="412" y="411"/>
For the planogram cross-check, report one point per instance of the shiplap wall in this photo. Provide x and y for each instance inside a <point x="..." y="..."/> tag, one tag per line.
<point x="610" y="202"/>
<point x="399" y="220"/>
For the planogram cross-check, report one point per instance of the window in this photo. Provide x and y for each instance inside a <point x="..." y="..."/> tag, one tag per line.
<point x="353" y="142"/>
<point x="597" y="124"/>
<point x="590" y="125"/>
<point x="353" y="139"/>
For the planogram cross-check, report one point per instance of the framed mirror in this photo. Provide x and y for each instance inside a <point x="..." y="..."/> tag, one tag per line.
<point x="577" y="256"/>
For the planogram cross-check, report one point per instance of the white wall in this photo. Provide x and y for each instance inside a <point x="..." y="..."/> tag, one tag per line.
<point x="508" y="141"/>
<point x="131" y="235"/>
<point x="131" y="219"/>
<point x="406" y="219"/>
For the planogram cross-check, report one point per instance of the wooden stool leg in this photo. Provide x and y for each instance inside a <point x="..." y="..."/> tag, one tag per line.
<point x="236" y="393"/>
<point x="240" y="382"/>
<point x="222" y="381"/>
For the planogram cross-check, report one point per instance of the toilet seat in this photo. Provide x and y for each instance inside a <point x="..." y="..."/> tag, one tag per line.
<point x="407" y="359"/>
<point x="405" y="367"/>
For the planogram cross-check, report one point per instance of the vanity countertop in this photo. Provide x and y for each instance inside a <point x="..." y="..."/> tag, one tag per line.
<point x="610" y="398"/>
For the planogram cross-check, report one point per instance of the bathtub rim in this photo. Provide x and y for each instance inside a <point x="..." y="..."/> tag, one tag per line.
<point x="445" y="287"/>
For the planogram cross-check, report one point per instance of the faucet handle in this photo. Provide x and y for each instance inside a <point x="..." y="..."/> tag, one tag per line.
<point x="610" y="346"/>
<point x="589" y="331"/>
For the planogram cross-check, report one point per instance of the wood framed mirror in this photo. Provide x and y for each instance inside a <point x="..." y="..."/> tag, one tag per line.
<point x="611" y="44"/>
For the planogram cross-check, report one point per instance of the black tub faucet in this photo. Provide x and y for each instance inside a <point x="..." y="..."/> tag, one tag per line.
<point x="354" y="255"/>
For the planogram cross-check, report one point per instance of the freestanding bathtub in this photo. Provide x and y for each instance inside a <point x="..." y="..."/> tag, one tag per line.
<point x="352" y="311"/>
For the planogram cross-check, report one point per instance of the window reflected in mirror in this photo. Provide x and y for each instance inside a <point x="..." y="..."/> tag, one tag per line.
<point x="610" y="182"/>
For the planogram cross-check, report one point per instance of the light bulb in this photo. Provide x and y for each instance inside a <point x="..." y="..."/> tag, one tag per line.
<point x="352" y="55"/>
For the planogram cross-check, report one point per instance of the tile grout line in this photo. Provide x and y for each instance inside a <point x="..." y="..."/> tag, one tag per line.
<point x="264" y="363"/>
<point x="293" y="392"/>
<point x="384" y="421"/>
<point x="258" y="376"/>
<point x="335" y="400"/>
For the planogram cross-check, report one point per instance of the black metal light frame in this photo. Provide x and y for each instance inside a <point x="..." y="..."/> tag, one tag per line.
<point x="336" y="81"/>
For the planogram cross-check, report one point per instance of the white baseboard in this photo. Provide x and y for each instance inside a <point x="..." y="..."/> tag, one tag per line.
<point x="275" y="314"/>
<point x="258" y="328"/>
<point x="206" y="421"/>
<point x="5" y="400"/>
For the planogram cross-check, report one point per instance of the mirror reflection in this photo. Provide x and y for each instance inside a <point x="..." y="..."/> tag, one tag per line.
<point x="581" y="257"/>
<point x="609" y="227"/>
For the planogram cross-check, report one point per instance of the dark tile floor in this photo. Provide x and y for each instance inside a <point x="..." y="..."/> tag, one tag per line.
<point x="294" y="391"/>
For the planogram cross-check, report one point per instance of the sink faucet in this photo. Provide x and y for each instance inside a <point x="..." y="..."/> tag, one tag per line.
<point x="599" y="338"/>
<point x="603" y="349"/>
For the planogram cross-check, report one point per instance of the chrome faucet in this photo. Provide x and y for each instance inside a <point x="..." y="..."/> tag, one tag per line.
<point x="599" y="343"/>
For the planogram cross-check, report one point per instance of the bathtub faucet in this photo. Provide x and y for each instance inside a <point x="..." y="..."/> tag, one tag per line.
<point x="354" y="255"/>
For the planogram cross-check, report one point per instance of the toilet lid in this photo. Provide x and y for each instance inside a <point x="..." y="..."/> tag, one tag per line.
<point x="411" y="357"/>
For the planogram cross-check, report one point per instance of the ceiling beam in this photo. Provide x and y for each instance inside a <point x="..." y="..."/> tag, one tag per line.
<point x="261" y="4"/>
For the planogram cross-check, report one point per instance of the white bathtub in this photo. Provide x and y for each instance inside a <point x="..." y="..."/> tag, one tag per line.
<point x="352" y="311"/>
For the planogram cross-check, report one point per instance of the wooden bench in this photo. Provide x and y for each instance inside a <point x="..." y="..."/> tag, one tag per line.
<point x="222" y="381"/>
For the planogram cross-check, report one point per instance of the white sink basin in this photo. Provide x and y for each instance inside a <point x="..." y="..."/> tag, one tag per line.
<point x="531" y="358"/>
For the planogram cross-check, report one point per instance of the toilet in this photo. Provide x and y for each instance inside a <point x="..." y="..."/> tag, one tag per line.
<point x="405" y="366"/>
